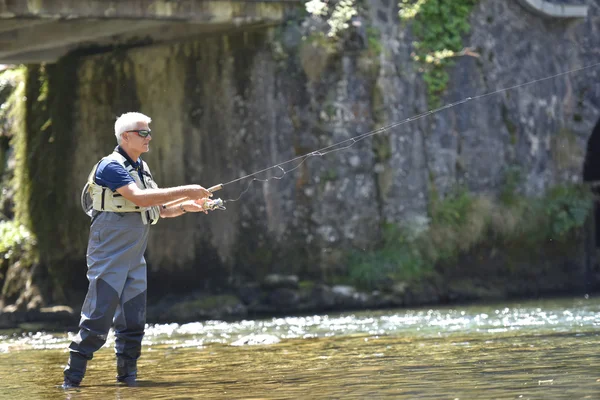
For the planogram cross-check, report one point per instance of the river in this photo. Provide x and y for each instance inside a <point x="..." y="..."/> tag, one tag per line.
<point x="542" y="349"/>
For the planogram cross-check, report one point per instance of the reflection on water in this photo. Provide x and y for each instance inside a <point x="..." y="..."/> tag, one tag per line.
<point x="535" y="350"/>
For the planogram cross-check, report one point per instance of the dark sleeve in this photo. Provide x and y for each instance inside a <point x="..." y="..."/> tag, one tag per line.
<point x="112" y="175"/>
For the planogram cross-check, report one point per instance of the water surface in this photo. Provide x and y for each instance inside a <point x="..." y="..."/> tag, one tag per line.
<point x="529" y="350"/>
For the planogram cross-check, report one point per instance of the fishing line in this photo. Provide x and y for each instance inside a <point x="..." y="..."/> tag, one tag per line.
<point x="347" y="143"/>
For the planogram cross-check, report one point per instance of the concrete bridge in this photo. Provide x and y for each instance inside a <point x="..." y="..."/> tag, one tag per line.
<point x="34" y="31"/>
<point x="555" y="9"/>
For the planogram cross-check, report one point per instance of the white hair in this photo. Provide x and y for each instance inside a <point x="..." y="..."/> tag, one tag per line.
<point x="129" y="121"/>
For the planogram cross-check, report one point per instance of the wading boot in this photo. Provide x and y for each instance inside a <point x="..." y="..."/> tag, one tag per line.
<point x="74" y="371"/>
<point x="126" y="371"/>
<point x="68" y="384"/>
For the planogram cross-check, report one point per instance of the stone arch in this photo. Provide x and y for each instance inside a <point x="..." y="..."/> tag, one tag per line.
<point x="591" y="175"/>
<point x="591" y="164"/>
<point x="548" y="9"/>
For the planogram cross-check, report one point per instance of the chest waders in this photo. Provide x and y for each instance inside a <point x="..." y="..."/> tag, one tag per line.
<point x="116" y="293"/>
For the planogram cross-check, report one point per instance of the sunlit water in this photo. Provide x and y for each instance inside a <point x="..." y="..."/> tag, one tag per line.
<point x="529" y="350"/>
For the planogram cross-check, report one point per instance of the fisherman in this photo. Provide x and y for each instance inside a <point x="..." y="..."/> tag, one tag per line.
<point x="123" y="201"/>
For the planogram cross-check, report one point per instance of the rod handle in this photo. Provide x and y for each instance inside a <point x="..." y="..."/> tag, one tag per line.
<point x="215" y="188"/>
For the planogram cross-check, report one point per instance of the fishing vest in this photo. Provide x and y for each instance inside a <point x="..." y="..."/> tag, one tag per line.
<point x="104" y="199"/>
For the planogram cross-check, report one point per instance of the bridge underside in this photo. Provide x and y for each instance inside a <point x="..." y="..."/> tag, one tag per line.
<point x="37" y="31"/>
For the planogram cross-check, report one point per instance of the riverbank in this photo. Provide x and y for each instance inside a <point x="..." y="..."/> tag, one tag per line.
<point x="285" y="295"/>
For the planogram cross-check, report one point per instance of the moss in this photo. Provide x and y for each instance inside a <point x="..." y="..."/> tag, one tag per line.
<point x="44" y="144"/>
<point x="329" y="175"/>
<point x="462" y="222"/>
<point x="510" y="125"/>
<point x="512" y="180"/>
<point x="12" y="111"/>
<point x="47" y="155"/>
<point x="382" y="148"/>
<point x="306" y="285"/>
<point x="396" y="259"/>
<point x="374" y="46"/>
<point x="20" y="180"/>
<point x="378" y="105"/>
<point x="218" y="301"/>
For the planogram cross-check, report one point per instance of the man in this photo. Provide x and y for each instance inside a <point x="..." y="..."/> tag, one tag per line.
<point x="126" y="201"/>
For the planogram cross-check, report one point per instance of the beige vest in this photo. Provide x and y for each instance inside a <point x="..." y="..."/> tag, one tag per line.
<point x="104" y="199"/>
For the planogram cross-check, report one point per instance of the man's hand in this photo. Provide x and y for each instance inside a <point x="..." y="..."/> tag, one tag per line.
<point x="198" y="192"/>
<point x="195" y="205"/>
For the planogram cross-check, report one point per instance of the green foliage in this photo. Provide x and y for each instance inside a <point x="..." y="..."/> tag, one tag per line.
<point x="453" y="209"/>
<point x="512" y="180"/>
<point x="439" y="27"/>
<point x="398" y="259"/>
<point x="458" y="222"/>
<point x="14" y="239"/>
<point x="11" y="100"/>
<point x="462" y="221"/>
<point x="566" y="208"/>
<point x="374" y="41"/>
<point x="327" y="32"/>
<point x="11" y="106"/>
<point x="333" y="22"/>
<point x="337" y="14"/>
<point x="306" y="286"/>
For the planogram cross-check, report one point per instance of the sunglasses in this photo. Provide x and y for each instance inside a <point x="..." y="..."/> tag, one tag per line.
<point x="142" y="132"/>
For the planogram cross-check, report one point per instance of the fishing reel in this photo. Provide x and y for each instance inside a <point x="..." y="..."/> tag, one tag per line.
<point x="214" y="204"/>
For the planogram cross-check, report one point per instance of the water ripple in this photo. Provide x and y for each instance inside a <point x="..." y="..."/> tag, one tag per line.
<point x="567" y="315"/>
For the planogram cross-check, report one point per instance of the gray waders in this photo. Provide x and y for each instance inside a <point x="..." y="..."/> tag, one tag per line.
<point x="116" y="293"/>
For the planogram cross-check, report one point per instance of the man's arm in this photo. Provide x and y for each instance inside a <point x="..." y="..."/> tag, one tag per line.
<point x="156" y="197"/>
<point x="189" y="206"/>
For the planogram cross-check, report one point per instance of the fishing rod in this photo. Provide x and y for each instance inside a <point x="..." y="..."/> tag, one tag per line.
<point x="347" y="143"/>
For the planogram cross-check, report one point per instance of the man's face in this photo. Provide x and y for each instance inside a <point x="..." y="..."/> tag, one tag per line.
<point x="135" y="140"/>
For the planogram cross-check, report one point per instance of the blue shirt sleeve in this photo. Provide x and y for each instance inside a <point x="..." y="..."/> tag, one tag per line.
<point x="112" y="175"/>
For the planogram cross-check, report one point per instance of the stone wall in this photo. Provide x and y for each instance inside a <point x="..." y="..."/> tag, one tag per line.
<point x="226" y="106"/>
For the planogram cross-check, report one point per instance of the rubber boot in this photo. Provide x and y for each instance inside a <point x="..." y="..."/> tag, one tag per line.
<point x="126" y="371"/>
<point x="75" y="370"/>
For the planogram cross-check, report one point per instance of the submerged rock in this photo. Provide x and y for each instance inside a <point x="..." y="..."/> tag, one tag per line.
<point x="252" y="340"/>
<point x="198" y="308"/>
<point x="12" y="317"/>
